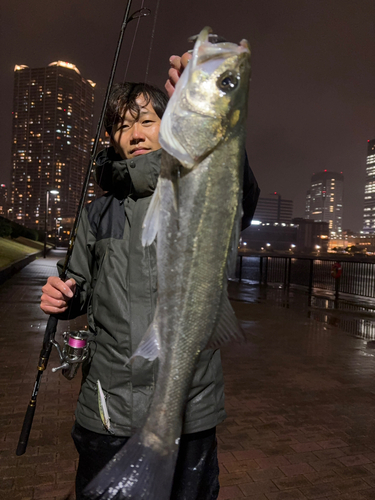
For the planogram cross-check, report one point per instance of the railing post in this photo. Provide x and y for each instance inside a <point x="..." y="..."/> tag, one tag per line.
<point x="337" y="289"/>
<point x="266" y="272"/>
<point x="260" y="270"/>
<point x="285" y="273"/>
<point x="289" y="272"/>
<point x="311" y="278"/>
<point x="240" y="277"/>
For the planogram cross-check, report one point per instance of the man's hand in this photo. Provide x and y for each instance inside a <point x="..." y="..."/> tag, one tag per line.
<point x="178" y="64"/>
<point x="56" y="295"/>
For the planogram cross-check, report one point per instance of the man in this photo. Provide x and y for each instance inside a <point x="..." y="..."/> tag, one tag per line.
<point x="113" y="278"/>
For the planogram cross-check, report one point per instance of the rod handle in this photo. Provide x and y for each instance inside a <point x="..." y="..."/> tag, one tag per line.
<point x="26" y="428"/>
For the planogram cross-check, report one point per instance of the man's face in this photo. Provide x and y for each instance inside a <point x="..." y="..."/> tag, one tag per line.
<point x="137" y="136"/>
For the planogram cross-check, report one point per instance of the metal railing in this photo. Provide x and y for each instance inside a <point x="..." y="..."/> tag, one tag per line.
<point x="357" y="278"/>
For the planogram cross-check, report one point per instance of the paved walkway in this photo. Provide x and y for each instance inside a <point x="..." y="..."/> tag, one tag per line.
<point x="300" y="403"/>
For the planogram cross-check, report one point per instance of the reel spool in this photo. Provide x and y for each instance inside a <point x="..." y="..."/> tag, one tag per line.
<point x="74" y="352"/>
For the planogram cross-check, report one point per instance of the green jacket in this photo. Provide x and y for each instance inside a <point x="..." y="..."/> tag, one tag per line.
<point x="117" y="287"/>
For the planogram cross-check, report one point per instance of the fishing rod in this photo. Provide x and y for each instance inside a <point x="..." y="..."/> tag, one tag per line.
<point x="50" y="332"/>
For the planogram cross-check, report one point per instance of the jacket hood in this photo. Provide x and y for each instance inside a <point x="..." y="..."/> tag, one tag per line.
<point x="136" y="175"/>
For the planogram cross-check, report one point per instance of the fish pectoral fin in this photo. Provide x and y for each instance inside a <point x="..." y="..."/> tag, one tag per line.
<point x="149" y="348"/>
<point x="151" y="223"/>
<point x="227" y="327"/>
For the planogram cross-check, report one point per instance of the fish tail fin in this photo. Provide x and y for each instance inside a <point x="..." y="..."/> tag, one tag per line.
<point x="137" y="471"/>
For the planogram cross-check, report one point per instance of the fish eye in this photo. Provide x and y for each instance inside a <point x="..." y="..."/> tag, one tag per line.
<point x="228" y="81"/>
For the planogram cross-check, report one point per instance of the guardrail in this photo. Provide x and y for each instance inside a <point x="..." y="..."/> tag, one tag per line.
<point x="332" y="274"/>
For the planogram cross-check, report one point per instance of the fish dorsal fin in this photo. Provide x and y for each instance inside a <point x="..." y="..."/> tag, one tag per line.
<point x="227" y="327"/>
<point x="151" y="223"/>
<point x="149" y="347"/>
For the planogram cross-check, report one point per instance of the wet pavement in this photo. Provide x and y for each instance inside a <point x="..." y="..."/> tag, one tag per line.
<point x="300" y="398"/>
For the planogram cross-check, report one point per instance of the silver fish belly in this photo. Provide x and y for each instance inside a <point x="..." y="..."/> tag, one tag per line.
<point x="196" y="212"/>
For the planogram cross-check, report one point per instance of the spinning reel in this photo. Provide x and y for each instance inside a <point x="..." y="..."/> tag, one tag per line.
<point x="74" y="352"/>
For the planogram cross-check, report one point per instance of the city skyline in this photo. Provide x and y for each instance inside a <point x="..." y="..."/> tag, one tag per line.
<point x="311" y="103"/>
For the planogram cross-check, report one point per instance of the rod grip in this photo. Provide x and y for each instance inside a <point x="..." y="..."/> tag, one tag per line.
<point x="26" y="428"/>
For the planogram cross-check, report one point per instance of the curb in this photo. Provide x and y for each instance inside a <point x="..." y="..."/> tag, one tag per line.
<point x="16" y="266"/>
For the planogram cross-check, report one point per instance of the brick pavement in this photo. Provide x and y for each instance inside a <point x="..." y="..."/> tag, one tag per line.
<point x="300" y="403"/>
<point x="47" y="469"/>
<point x="299" y="397"/>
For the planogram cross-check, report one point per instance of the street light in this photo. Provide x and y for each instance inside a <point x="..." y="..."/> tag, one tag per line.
<point x="52" y="191"/>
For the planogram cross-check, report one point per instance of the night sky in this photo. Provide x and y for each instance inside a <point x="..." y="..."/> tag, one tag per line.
<point x="312" y="94"/>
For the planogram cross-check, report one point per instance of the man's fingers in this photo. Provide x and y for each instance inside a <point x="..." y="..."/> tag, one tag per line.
<point x="178" y="64"/>
<point x="48" y="309"/>
<point x="185" y="59"/>
<point x="169" y="88"/>
<point x="64" y="288"/>
<point x="175" y="62"/>
<point x="51" y="305"/>
<point x="72" y="285"/>
<point x="49" y="301"/>
<point x="56" y="295"/>
<point x="170" y="84"/>
<point x="52" y="292"/>
<point x="174" y="76"/>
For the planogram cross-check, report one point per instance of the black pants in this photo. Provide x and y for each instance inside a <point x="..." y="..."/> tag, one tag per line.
<point x="197" y="471"/>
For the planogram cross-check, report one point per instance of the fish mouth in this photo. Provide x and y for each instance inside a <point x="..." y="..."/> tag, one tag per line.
<point x="206" y="52"/>
<point x="204" y="49"/>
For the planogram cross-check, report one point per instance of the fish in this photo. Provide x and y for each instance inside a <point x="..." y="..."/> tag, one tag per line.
<point x="195" y="213"/>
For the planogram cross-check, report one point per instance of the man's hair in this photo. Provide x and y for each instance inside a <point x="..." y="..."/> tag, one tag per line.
<point x="123" y="98"/>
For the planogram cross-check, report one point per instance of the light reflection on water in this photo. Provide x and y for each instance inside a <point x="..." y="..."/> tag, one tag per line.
<point x="353" y="315"/>
<point x="350" y="317"/>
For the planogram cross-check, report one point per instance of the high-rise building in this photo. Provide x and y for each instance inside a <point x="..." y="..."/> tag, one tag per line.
<point x="52" y="128"/>
<point x="3" y="200"/>
<point x="324" y="200"/>
<point x="369" y="205"/>
<point x="273" y="208"/>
